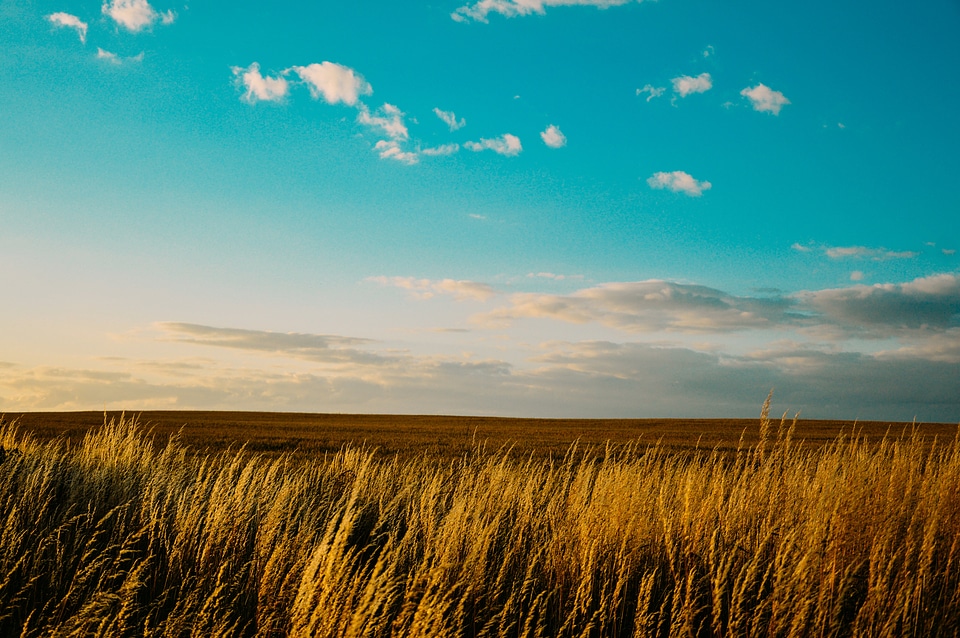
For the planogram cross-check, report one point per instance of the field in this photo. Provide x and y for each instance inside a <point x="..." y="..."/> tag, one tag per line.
<point x="438" y="526"/>
<point x="312" y="435"/>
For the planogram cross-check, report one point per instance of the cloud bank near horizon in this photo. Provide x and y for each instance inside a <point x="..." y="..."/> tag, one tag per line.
<point x="678" y="347"/>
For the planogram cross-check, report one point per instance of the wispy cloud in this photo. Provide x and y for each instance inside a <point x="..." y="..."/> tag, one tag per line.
<point x="765" y="99"/>
<point x="652" y="90"/>
<point x="312" y="347"/>
<point x="506" y="144"/>
<point x="461" y="290"/>
<point x="647" y="306"/>
<point x="513" y="8"/>
<point x="135" y="15"/>
<point x="863" y="252"/>
<point x="334" y="82"/>
<point x="450" y="119"/>
<point x="260" y="88"/>
<point x="443" y="149"/>
<point x="61" y="19"/>
<point x="678" y="182"/>
<point x="553" y="276"/>
<point x="553" y="137"/>
<point x="685" y="84"/>
<point x="388" y="118"/>
<point x="113" y="58"/>
<point x="391" y="149"/>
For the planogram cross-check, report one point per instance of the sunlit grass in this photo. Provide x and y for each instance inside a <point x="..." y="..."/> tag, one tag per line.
<point x="116" y="536"/>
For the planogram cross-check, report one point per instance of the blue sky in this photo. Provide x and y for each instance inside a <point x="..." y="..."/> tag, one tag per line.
<point x="539" y="208"/>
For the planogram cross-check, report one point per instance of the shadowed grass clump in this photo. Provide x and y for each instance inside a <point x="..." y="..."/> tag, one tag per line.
<point x="116" y="536"/>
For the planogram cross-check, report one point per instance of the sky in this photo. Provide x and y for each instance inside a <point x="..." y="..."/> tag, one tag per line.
<point x="544" y="208"/>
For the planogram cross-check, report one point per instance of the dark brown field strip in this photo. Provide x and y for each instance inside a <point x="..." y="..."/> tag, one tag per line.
<point x="448" y="436"/>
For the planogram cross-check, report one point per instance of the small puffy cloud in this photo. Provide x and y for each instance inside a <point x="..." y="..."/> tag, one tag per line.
<point x="135" y="15"/>
<point x="652" y="90"/>
<point x="461" y="290"/>
<point x="553" y="137"/>
<point x="686" y="84"/>
<point x="335" y="82"/>
<point x="948" y="251"/>
<point x="800" y="248"/>
<point x="387" y="118"/>
<point x="856" y="275"/>
<point x="450" y="119"/>
<point x="390" y="149"/>
<point x="506" y="144"/>
<point x="513" y="8"/>
<point x="765" y="99"/>
<point x="709" y="51"/>
<point x="678" y="182"/>
<point x="443" y="149"/>
<point x="260" y="88"/>
<point x="61" y="19"/>
<point x="862" y="252"/>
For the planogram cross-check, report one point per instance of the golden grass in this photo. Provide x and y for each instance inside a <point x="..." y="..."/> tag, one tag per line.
<point x="116" y="536"/>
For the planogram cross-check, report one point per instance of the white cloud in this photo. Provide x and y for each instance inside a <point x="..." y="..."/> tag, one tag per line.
<point x="709" y="51"/>
<point x="335" y="82"/>
<point x="113" y="58"/>
<point x="679" y="182"/>
<point x="647" y="306"/>
<point x="652" y="90"/>
<point x="390" y="149"/>
<point x="443" y="149"/>
<point x="461" y="290"/>
<point x="313" y="347"/>
<point x="553" y="276"/>
<point x="856" y="275"/>
<point x="927" y="303"/>
<point x="801" y="248"/>
<point x="506" y="144"/>
<point x="948" y="251"/>
<point x="764" y="99"/>
<point x="61" y="19"/>
<point x="260" y="88"/>
<point x="108" y="56"/>
<point x="387" y="118"/>
<point x="135" y="15"/>
<point x="686" y="84"/>
<point x="862" y="252"/>
<point x="553" y="137"/>
<point x="512" y="8"/>
<point x="450" y="118"/>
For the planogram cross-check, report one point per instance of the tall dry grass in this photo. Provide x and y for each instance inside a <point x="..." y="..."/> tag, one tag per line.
<point x="116" y="537"/>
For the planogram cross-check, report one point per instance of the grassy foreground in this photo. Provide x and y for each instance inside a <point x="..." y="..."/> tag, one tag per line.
<point x="117" y="537"/>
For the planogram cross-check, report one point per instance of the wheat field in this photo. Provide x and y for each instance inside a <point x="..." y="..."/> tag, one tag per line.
<point x="118" y="536"/>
